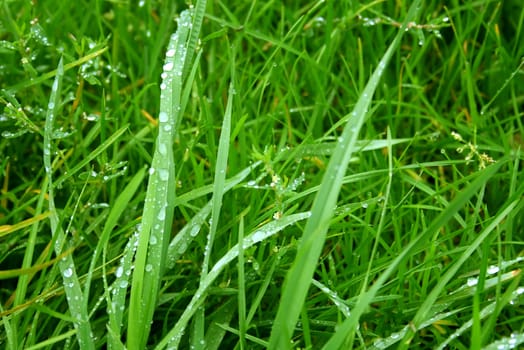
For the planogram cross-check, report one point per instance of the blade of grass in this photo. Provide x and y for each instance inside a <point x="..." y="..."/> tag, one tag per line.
<point x="299" y="277"/>
<point x="197" y="340"/>
<point x="118" y="291"/>
<point x="159" y="203"/>
<point x="150" y="260"/>
<point x="510" y="342"/>
<point x="380" y="227"/>
<point x="117" y="209"/>
<point x="242" y="325"/>
<point x="326" y="148"/>
<point x="219" y="181"/>
<point x="202" y="191"/>
<point x="427" y="312"/>
<point x="52" y="341"/>
<point x="9" y="331"/>
<point x="214" y="333"/>
<point x="77" y="303"/>
<point x="487" y="311"/>
<point x="218" y="193"/>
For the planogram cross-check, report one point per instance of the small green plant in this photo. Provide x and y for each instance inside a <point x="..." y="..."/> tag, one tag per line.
<point x="473" y="151"/>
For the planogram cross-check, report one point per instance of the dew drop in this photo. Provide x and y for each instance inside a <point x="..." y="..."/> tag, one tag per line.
<point x="162" y="148"/>
<point x="170" y="53"/>
<point x="194" y="230"/>
<point x="182" y="248"/>
<point x="163" y="174"/>
<point x="153" y="240"/>
<point x="163" y="117"/>
<point x="472" y="282"/>
<point x="168" y="66"/>
<point x="492" y="270"/>
<point x="68" y="272"/>
<point x="123" y="284"/>
<point x="119" y="271"/>
<point x="149" y="268"/>
<point x="161" y="214"/>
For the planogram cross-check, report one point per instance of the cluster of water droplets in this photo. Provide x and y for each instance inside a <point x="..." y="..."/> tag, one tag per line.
<point x="490" y="271"/>
<point x="419" y="29"/>
<point x="389" y="341"/>
<point x="72" y="290"/>
<point x="280" y="188"/>
<point x="333" y="296"/>
<point x="38" y="33"/>
<point x="507" y="343"/>
<point x="108" y="172"/>
<point x="97" y="69"/>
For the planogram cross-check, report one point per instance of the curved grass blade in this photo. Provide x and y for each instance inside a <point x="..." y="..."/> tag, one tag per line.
<point x="119" y="290"/>
<point x="299" y="277"/>
<point x="75" y="298"/>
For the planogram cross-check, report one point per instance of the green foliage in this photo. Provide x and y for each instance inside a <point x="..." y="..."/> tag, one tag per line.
<point x="312" y="174"/>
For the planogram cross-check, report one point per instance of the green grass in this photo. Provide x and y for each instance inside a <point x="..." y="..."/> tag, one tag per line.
<point x="277" y="175"/>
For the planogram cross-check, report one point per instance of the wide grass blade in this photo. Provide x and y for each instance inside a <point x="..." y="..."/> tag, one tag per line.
<point x="299" y="277"/>
<point x="155" y="229"/>
<point x="159" y="203"/>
